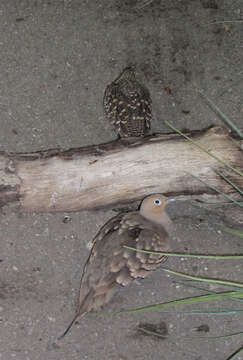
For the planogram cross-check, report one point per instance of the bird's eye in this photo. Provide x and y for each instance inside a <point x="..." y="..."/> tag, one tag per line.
<point x="157" y="202"/>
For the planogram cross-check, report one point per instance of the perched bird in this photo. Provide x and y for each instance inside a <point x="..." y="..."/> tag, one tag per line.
<point x="111" y="265"/>
<point x="127" y="104"/>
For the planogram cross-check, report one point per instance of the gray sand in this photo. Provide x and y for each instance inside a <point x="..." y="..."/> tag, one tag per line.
<point x="56" y="59"/>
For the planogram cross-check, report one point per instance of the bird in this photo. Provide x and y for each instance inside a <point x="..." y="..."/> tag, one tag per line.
<point x="110" y="265"/>
<point x="128" y="105"/>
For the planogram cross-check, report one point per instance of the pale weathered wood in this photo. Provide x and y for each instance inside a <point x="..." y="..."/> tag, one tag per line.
<point x="116" y="172"/>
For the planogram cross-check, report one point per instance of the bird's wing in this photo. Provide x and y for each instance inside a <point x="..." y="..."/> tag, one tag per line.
<point x="154" y="241"/>
<point x="110" y="103"/>
<point x="137" y="102"/>
<point x="105" y="243"/>
<point x="122" y="265"/>
<point x="110" y="227"/>
<point x="110" y="263"/>
<point x="128" y="107"/>
<point x="145" y="108"/>
<point x="129" y="264"/>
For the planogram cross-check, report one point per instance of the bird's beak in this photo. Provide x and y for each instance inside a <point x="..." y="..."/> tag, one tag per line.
<point x="171" y="200"/>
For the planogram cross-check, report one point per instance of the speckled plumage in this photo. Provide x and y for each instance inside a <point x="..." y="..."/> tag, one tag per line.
<point x="111" y="265"/>
<point x="128" y="105"/>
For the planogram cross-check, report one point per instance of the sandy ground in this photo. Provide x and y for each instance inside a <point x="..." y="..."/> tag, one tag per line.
<point x="56" y="59"/>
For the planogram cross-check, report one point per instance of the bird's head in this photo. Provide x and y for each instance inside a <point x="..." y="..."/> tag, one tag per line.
<point x="128" y="74"/>
<point x="153" y="206"/>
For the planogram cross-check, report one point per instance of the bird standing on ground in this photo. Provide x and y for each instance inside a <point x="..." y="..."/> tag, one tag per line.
<point x="127" y="104"/>
<point x="111" y="265"/>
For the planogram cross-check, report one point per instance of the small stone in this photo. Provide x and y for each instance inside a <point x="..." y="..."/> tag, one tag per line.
<point x="66" y="219"/>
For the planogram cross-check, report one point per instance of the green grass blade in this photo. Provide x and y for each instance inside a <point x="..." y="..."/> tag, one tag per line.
<point x="219" y="112"/>
<point x="210" y="281"/>
<point x="236" y="354"/>
<point x="222" y="203"/>
<point x="230" y="182"/>
<point x="186" y="301"/>
<point x="203" y="149"/>
<point x="235" y="232"/>
<point x="207" y="292"/>
<point x="218" y="191"/>
<point x="197" y="256"/>
<point x="206" y="312"/>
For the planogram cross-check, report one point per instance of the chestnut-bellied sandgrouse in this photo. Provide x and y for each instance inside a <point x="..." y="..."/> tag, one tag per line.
<point x="110" y="265"/>
<point x="127" y="104"/>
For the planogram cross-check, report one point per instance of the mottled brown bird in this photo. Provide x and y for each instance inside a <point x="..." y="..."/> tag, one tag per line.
<point x="111" y="265"/>
<point x="127" y="104"/>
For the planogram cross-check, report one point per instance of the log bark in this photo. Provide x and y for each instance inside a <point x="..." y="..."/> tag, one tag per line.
<point x="117" y="172"/>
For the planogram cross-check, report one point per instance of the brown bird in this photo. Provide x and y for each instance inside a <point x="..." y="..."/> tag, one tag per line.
<point x="111" y="265"/>
<point x="127" y="104"/>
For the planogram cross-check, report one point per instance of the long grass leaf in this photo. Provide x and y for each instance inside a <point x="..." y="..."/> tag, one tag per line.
<point x="220" y="203"/>
<point x="219" y="112"/>
<point x="236" y="354"/>
<point x="205" y="312"/>
<point x="229" y="182"/>
<point x="235" y="232"/>
<point x="211" y="281"/>
<point x="186" y="301"/>
<point x="203" y="149"/>
<point x="197" y="256"/>
<point x="218" y="191"/>
<point x="207" y="291"/>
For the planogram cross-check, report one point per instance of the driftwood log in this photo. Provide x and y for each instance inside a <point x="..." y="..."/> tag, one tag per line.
<point x="117" y="172"/>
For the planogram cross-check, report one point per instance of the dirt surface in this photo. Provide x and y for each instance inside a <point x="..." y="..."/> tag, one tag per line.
<point x="56" y="59"/>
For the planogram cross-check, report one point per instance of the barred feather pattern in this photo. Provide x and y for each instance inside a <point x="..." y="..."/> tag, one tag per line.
<point x="128" y="105"/>
<point x="111" y="265"/>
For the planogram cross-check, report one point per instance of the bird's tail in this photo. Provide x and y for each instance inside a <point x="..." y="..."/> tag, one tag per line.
<point x="69" y="327"/>
<point x="82" y="310"/>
